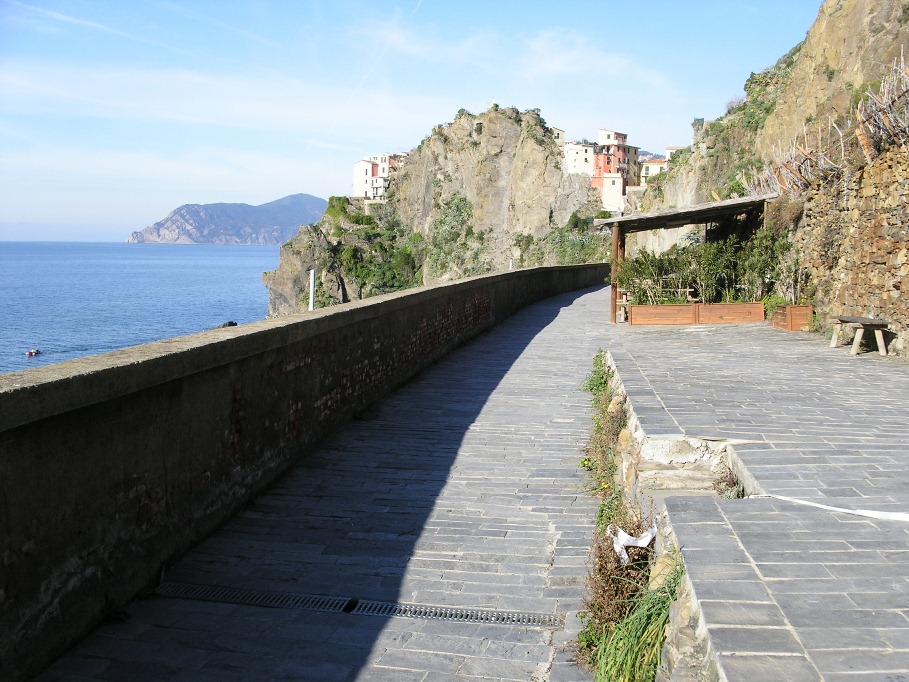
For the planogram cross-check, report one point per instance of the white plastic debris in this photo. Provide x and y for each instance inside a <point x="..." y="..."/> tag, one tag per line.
<point x="621" y="540"/>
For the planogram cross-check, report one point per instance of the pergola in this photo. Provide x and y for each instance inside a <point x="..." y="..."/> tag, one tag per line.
<point x="699" y="214"/>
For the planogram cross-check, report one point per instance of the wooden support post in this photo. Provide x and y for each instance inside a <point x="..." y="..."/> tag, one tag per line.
<point x="618" y="255"/>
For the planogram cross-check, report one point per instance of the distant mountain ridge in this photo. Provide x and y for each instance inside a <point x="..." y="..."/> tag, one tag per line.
<point x="267" y="224"/>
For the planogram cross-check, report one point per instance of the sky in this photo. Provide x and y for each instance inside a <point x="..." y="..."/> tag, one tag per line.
<point x="113" y="114"/>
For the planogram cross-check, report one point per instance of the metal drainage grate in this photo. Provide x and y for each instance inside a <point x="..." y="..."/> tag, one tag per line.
<point x="379" y="608"/>
<point x="232" y="595"/>
<point x="362" y="607"/>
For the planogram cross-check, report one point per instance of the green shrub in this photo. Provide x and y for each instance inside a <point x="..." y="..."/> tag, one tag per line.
<point x="337" y="207"/>
<point x="454" y="246"/>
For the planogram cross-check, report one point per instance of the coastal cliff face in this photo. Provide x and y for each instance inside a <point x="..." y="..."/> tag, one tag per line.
<point x="354" y="255"/>
<point x="847" y="50"/>
<point x="506" y="164"/>
<point x="477" y="195"/>
<point x="267" y="224"/>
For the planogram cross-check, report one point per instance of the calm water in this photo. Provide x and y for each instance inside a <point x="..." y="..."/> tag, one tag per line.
<point x="75" y="299"/>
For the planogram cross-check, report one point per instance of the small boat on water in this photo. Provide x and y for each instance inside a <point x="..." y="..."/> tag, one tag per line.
<point x="32" y="352"/>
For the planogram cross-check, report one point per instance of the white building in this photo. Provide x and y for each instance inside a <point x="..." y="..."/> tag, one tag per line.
<point x="372" y="176"/>
<point x="577" y="157"/>
<point x="651" y="168"/>
<point x="612" y="193"/>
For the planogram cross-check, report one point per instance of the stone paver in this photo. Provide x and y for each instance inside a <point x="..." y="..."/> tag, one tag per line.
<point x="462" y="489"/>
<point x="789" y="592"/>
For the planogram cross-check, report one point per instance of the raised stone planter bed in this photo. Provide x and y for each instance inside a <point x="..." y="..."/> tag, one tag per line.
<point x="792" y="318"/>
<point x="696" y="313"/>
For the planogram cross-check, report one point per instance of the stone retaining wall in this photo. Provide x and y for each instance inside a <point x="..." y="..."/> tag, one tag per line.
<point x="114" y="465"/>
<point x="854" y="241"/>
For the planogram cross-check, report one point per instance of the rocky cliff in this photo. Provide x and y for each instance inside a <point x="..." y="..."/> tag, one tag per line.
<point x="271" y="223"/>
<point x="479" y="194"/>
<point x="507" y="165"/>
<point x="809" y="93"/>
<point x="355" y="256"/>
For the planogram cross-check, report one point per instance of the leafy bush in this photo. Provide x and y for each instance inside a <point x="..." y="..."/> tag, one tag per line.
<point x="361" y="219"/>
<point x="453" y="243"/>
<point x="337" y="207"/>
<point x="717" y="271"/>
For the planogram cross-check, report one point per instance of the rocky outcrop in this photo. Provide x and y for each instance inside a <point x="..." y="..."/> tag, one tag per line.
<point x="271" y="223"/>
<point x="507" y="165"/>
<point x="846" y="52"/>
<point x="354" y="255"/>
<point x="479" y="194"/>
<point x="848" y="49"/>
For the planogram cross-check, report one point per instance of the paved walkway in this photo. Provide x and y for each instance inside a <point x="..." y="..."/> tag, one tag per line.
<point x="460" y="490"/>
<point x="789" y="592"/>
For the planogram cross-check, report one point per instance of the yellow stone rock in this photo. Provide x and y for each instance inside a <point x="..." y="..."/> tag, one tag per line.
<point x="661" y="570"/>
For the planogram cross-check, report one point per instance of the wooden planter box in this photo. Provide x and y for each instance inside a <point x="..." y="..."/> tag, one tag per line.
<point x="792" y="318"/>
<point x="696" y="313"/>
<point x="680" y="313"/>
<point x="720" y="313"/>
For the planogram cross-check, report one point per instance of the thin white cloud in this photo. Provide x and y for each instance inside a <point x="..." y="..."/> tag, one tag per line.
<point x="212" y="21"/>
<point x="276" y="104"/>
<point x="94" y="26"/>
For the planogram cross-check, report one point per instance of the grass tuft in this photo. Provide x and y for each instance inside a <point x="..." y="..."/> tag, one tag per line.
<point x="631" y="653"/>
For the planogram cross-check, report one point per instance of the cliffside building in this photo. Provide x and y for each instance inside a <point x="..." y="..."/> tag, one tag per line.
<point x="620" y="157"/>
<point x="372" y="176"/>
<point x="611" y="163"/>
<point x="652" y="167"/>
<point x="577" y="157"/>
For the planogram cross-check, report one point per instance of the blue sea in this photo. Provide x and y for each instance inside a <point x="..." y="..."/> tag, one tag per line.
<point x="74" y="299"/>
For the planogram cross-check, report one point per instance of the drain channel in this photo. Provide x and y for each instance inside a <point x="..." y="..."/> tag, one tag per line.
<point x="379" y="608"/>
<point x="233" y="595"/>
<point x="359" y="607"/>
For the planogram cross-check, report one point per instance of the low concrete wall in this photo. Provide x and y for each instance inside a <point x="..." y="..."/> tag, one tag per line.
<point x="111" y="466"/>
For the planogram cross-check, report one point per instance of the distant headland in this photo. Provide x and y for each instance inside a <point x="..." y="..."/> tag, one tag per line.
<point x="269" y="224"/>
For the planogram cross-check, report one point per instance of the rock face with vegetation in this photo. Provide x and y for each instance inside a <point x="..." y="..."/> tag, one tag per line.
<point x="811" y="92"/>
<point x="499" y="173"/>
<point x="355" y="256"/>
<point x="477" y="195"/>
<point x="271" y="223"/>
<point x="849" y="47"/>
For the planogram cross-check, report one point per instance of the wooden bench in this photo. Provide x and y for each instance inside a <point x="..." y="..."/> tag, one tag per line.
<point x="860" y="324"/>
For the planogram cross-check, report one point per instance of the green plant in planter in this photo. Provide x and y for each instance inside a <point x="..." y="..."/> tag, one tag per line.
<point x="712" y="267"/>
<point x="723" y="271"/>
<point x="758" y="263"/>
<point x="652" y="278"/>
<point x="772" y="302"/>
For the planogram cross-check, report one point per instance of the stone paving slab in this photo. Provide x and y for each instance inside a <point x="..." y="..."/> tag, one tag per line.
<point x="462" y="489"/>
<point x="788" y="592"/>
